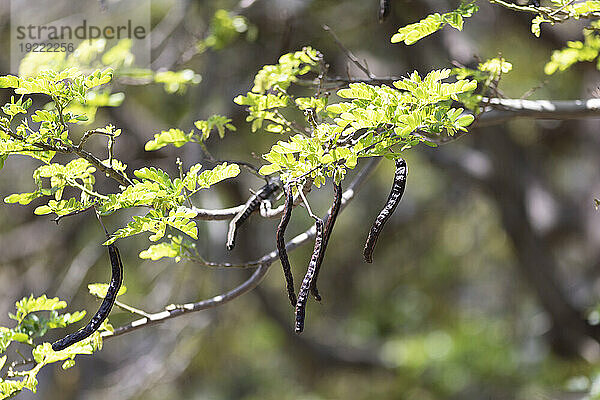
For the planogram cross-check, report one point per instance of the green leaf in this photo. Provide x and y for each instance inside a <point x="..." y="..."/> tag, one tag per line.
<point x="30" y="304"/>
<point x="412" y="33"/>
<point x="62" y="320"/>
<point x="180" y="219"/>
<point x="465" y="120"/>
<point x="43" y="354"/>
<point x="575" y="52"/>
<point x="177" y="81"/>
<point x="22" y="198"/>
<point x="217" y="174"/>
<point x="154" y="175"/>
<point x="173" y="136"/>
<point x="8" y="388"/>
<point x="219" y="122"/>
<point x="269" y="169"/>
<point x="7" y="336"/>
<point x="191" y="178"/>
<point x="160" y="250"/>
<point x="138" y="225"/>
<point x="496" y="66"/>
<point x="100" y="289"/>
<point x="98" y="78"/>
<point x="281" y="75"/>
<point x="225" y="27"/>
<point x="9" y="81"/>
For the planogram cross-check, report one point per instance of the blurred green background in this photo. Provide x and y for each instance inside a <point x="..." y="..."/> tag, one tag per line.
<point x="482" y="280"/>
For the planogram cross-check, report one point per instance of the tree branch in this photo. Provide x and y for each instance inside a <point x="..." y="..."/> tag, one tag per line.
<point x="501" y="110"/>
<point x="95" y="161"/>
<point x="217" y="214"/>
<point x="263" y="266"/>
<point x="181" y="309"/>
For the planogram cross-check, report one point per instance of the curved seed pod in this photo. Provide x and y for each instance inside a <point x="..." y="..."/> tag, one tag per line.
<point x="385" y="6"/>
<point x="251" y="206"/>
<point x="390" y="206"/>
<point x="331" y="218"/>
<point x="308" y="278"/>
<point x="105" y="307"/>
<point x="285" y="262"/>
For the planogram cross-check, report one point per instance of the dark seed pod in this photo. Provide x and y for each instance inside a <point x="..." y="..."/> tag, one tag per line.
<point x="105" y="307"/>
<point x="308" y="278"/>
<point x="331" y="218"/>
<point x="285" y="262"/>
<point x="385" y="7"/>
<point x="388" y="210"/>
<point x="251" y="206"/>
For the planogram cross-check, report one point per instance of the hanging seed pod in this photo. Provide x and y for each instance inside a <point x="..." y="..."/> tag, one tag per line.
<point x="331" y="218"/>
<point x="251" y="206"/>
<point x="308" y="278"/>
<point x="388" y="210"/>
<point x="105" y="307"/>
<point x="283" y="257"/>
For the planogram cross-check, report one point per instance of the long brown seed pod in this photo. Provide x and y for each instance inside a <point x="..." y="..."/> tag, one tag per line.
<point x="388" y="210"/>
<point x="285" y="262"/>
<point x="331" y="218"/>
<point x="308" y="278"/>
<point x="105" y="307"/>
<point x="385" y="6"/>
<point x="251" y="206"/>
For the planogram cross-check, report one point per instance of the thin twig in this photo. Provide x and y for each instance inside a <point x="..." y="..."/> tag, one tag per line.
<point x="88" y="134"/>
<point x="59" y="217"/>
<point x="131" y="309"/>
<point x="348" y="53"/>
<point x="264" y="264"/>
<point x="210" y="158"/>
<point x="181" y="309"/>
<point x="305" y="201"/>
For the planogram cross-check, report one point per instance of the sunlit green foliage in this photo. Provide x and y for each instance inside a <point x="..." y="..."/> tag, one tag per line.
<point x="100" y="289"/>
<point x="368" y="121"/>
<point x="576" y="51"/>
<point x="385" y="119"/>
<point x="566" y="10"/>
<point x="412" y="33"/>
<point x="176" y="248"/>
<point x="269" y="94"/>
<point x="173" y="136"/>
<point x="178" y="138"/>
<point x="34" y="317"/>
<point x="93" y="55"/>
<point x="177" y="81"/>
<point x="225" y="28"/>
<point x="156" y="189"/>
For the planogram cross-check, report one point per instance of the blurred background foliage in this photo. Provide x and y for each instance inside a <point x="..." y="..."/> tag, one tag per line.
<point x="482" y="279"/>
